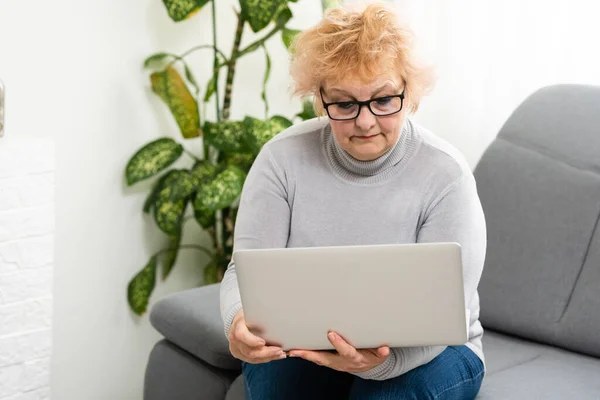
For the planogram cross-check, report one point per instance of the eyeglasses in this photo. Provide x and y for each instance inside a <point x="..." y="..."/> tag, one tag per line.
<point x="348" y="110"/>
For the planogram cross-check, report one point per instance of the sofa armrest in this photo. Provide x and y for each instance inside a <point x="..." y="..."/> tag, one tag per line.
<point x="191" y="319"/>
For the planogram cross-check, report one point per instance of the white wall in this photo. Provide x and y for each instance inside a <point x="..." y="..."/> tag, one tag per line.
<point x="73" y="74"/>
<point x="26" y="266"/>
<point x="27" y="218"/>
<point x="490" y="55"/>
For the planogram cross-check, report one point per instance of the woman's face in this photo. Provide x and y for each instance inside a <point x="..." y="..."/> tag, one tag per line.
<point x="368" y="136"/>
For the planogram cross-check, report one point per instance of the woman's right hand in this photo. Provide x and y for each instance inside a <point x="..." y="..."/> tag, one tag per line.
<point x="246" y="346"/>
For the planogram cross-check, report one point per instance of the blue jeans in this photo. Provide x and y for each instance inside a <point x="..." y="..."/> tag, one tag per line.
<point x="456" y="373"/>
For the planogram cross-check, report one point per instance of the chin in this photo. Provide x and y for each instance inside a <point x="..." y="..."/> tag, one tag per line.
<point x="367" y="155"/>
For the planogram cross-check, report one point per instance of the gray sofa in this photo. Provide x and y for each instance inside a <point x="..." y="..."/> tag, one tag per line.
<point x="539" y="183"/>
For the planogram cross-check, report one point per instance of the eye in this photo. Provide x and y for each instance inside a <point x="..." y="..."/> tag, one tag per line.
<point x="383" y="101"/>
<point x="346" y="105"/>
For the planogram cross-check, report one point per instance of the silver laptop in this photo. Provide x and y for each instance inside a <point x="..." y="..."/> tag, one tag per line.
<point x="396" y="295"/>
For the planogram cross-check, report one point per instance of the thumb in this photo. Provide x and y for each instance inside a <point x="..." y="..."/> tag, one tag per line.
<point x="248" y="337"/>
<point x="383" y="351"/>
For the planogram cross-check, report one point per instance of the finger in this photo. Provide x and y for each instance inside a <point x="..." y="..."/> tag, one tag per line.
<point x="243" y="335"/>
<point x="258" y="354"/>
<point x="342" y="347"/>
<point x="383" y="351"/>
<point x="318" y="357"/>
<point x="265" y="354"/>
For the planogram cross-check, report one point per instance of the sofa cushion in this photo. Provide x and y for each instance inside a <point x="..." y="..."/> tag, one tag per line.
<point x="237" y="389"/>
<point x="561" y="121"/>
<point x="172" y="373"/>
<point x="580" y="324"/>
<point x="503" y="352"/>
<point x="539" y="184"/>
<point x="191" y="319"/>
<point x="518" y="369"/>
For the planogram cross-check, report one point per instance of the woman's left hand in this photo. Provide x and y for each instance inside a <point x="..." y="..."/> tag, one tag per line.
<point x="347" y="358"/>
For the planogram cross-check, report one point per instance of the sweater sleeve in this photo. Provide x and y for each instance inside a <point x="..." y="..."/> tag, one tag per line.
<point x="454" y="216"/>
<point x="263" y="221"/>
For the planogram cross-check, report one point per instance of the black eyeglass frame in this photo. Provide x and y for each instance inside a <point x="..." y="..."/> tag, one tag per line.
<point x="361" y="104"/>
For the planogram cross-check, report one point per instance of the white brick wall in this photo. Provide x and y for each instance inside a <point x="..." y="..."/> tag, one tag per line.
<point x="26" y="265"/>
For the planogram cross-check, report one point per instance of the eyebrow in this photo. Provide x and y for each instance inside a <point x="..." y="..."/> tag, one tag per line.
<point x="378" y="90"/>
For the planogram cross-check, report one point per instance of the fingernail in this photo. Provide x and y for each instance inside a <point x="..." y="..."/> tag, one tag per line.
<point x="281" y="354"/>
<point x="331" y="336"/>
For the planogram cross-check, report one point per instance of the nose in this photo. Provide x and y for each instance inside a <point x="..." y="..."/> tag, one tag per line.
<point x="365" y="120"/>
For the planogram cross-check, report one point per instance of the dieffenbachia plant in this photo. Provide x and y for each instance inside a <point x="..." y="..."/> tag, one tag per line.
<point x="212" y="183"/>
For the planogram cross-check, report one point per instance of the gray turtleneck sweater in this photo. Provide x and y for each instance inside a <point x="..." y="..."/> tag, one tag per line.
<point x="304" y="190"/>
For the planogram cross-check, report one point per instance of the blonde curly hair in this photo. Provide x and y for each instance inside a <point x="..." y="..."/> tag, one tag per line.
<point x="357" y="44"/>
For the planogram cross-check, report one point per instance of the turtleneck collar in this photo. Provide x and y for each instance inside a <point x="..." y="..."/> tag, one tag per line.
<point x="376" y="170"/>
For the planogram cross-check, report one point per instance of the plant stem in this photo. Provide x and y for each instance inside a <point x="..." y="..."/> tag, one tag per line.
<point x="259" y="42"/>
<point x="231" y="67"/>
<point x="188" y="246"/>
<point x="197" y="247"/>
<point x="216" y="60"/>
<point x="219" y="230"/>
<point x="255" y="45"/>
<point x="218" y="233"/>
<point x="211" y="232"/>
<point x="205" y="46"/>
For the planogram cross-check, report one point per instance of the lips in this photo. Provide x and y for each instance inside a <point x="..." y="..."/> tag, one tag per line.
<point x="366" y="137"/>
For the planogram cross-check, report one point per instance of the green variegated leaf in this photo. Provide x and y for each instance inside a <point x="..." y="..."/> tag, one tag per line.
<point x="182" y="9"/>
<point x="223" y="190"/>
<point x="283" y="16"/>
<point x="168" y="213"/>
<point x="204" y="216"/>
<point x="170" y="256"/>
<point x="288" y="35"/>
<point x="255" y="129"/>
<point x="225" y="136"/>
<point x="204" y="171"/>
<point x="183" y="184"/>
<point x="171" y="88"/>
<point x="141" y="286"/>
<point x="308" y="111"/>
<point x="241" y="160"/>
<point x="151" y="159"/>
<point x="158" y="60"/>
<point x="259" y="132"/>
<point x="149" y="203"/>
<point x="259" y="13"/>
<point x="279" y="123"/>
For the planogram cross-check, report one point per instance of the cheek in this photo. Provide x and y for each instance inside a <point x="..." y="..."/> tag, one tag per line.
<point x="389" y="125"/>
<point x="392" y="126"/>
<point x="341" y="130"/>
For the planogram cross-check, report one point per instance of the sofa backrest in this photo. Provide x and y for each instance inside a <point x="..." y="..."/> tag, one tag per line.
<point x="539" y="184"/>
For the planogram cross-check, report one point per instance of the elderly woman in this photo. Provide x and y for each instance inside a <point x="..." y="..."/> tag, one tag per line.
<point x="365" y="174"/>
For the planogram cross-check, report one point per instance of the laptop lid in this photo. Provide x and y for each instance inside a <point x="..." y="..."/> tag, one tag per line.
<point x="396" y="295"/>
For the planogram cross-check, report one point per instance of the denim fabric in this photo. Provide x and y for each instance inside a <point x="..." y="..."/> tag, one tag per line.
<point x="457" y="373"/>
